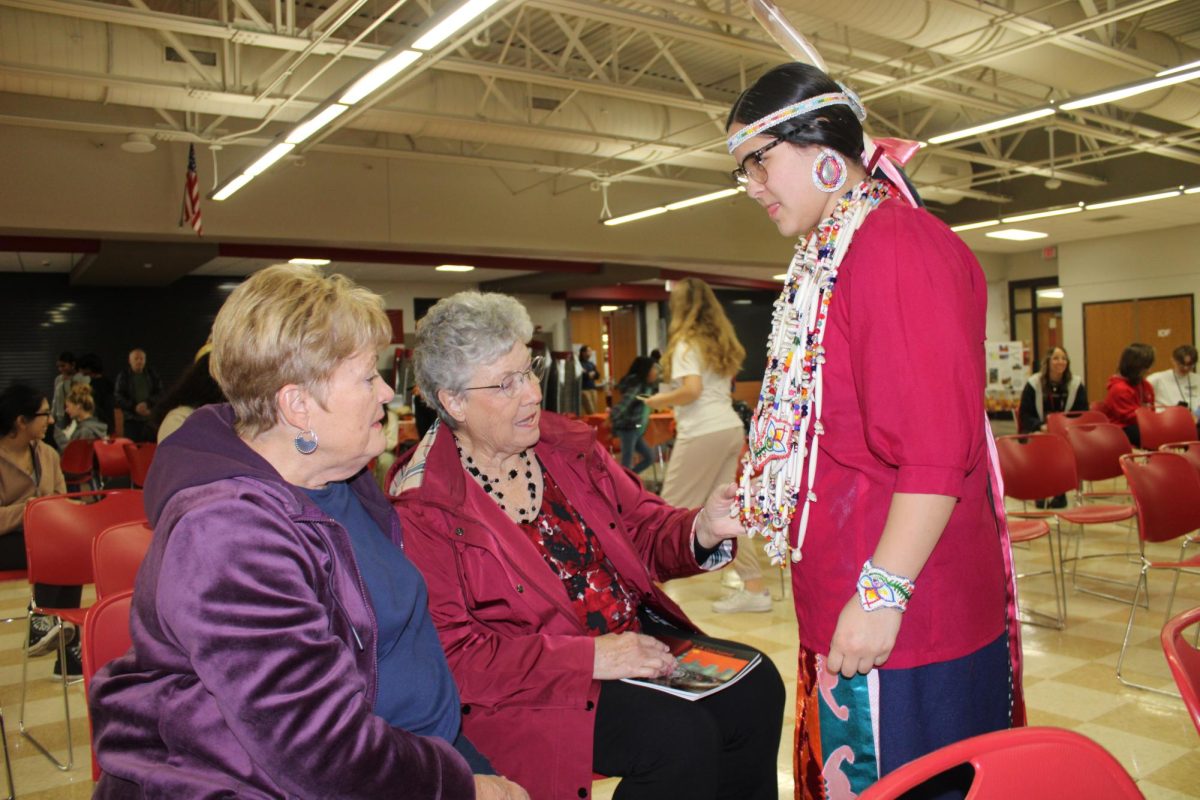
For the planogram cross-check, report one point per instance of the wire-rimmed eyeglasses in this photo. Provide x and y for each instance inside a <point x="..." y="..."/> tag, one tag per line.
<point x="512" y="383"/>
<point x="752" y="167"/>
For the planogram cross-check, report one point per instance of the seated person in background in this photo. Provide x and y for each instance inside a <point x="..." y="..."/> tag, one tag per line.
<point x="282" y="645"/>
<point x="81" y="410"/>
<point x="543" y="559"/>
<point x="68" y="376"/>
<point x="102" y="387"/>
<point x="1178" y="386"/>
<point x="1052" y="390"/>
<point x="1128" y="390"/>
<point x="29" y="468"/>
<point x="629" y="416"/>
<point x="195" y="389"/>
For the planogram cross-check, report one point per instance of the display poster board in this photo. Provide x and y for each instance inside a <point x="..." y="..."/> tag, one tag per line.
<point x="1006" y="375"/>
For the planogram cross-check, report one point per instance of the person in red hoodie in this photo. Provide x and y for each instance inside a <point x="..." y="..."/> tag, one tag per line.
<point x="1128" y="389"/>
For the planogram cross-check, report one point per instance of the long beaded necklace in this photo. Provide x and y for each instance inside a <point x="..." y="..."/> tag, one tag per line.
<point x="489" y="483"/>
<point x="781" y="461"/>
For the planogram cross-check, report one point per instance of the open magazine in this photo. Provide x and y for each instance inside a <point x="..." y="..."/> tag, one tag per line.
<point x="702" y="666"/>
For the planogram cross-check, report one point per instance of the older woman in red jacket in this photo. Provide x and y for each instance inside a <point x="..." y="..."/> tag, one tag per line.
<point x="543" y="559"/>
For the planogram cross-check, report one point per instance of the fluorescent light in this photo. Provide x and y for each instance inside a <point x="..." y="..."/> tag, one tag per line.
<point x="1129" y="91"/>
<point x="1052" y="294"/>
<point x="310" y="262"/>
<point x="451" y="24"/>
<point x="231" y="187"/>
<point x="1193" y="190"/>
<point x="1190" y="65"/>
<point x="454" y="268"/>
<point x="1128" y="201"/>
<point x="381" y="74"/>
<point x="704" y="198"/>
<point x="1003" y="122"/>
<point x="270" y="157"/>
<point x="606" y="309"/>
<point x="649" y="212"/>
<point x="307" y="129"/>
<point x="743" y="301"/>
<point x="780" y="277"/>
<point x="970" y="226"/>
<point x="1058" y="212"/>
<point x="1017" y="235"/>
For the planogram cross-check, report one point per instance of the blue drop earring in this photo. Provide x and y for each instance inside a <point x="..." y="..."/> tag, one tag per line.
<point x="306" y="442"/>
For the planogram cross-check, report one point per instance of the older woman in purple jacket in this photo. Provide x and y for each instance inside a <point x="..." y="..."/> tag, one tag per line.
<point x="282" y="641"/>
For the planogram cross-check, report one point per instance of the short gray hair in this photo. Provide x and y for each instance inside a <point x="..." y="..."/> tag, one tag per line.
<point x="460" y="333"/>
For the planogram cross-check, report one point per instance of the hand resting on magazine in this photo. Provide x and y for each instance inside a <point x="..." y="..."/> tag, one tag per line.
<point x="631" y="655"/>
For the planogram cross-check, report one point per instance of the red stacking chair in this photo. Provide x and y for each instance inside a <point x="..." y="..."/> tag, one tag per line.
<point x="1058" y="422"/>
<point x="1159" y="426"/>
<point x="78" y="464"/>
<point x="1184" y="660"/>
<point x="105" y="638"/>
<point x="110" y="456"/>
<point x="1166" y="491"/>
<point x="117" y="553"/>
<point x="1028" y="763"/>
<point x="58" y="548"/>
<point x="139" y="456"/>
<point x="1023" y="482"/>
<point x="1189" y="450"/>
<point x="1098" y="448"/>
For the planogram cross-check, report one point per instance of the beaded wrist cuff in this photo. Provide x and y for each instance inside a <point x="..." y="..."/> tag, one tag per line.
<point x="878" y="588"/>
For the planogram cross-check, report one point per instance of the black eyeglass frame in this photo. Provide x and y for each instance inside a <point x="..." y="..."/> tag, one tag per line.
<point x="742" y="177"/>
<point x="538" y="366"/>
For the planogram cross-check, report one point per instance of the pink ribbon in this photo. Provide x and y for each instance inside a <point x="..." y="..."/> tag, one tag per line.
<point x="889" y="155"/>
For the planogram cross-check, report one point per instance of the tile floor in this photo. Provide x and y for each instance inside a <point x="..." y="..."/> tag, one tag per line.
<point x="1069" y="678"/>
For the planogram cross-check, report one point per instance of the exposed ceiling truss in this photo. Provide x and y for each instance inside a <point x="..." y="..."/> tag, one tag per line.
<point x="583" y="92"/>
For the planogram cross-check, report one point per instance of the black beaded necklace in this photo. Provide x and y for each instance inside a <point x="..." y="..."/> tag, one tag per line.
<point x="489" y="483"/>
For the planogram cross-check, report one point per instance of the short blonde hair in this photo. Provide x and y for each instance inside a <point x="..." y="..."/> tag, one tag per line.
<point x="289" y="324"/>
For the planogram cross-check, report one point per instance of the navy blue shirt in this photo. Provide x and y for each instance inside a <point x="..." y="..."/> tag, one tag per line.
<point x="416" y="691"/>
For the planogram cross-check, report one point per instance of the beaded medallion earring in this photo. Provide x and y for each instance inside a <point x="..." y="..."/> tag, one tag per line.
<point x="829" y="171"/>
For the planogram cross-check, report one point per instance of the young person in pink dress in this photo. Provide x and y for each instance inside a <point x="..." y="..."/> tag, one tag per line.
<point x="870" y="463"/>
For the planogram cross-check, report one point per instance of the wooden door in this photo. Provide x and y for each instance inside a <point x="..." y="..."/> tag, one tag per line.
<point x="622" y="343"/>
<point x="586" y="328"/>
<point x="1164" y="323"/>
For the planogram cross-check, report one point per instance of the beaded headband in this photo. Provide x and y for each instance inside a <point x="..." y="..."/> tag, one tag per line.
<point x="842" y="98"/>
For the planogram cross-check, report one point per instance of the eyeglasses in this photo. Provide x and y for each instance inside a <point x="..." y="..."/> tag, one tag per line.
<point x="512" y="383"/>
<point x="44" y="414"/>
<point x="752" y="167"/>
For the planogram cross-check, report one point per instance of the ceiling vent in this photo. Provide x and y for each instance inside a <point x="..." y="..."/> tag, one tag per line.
<point x="1109" y="218"/>
<point x="544" y="103"/>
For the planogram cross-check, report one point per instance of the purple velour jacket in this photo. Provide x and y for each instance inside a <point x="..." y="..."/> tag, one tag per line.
<point x="253" y="669"/>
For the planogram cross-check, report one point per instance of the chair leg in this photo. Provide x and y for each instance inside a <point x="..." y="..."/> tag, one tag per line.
<point x="1133" y="607"/>
<point x="62" y="660"/>
<point x="12" y="791"/>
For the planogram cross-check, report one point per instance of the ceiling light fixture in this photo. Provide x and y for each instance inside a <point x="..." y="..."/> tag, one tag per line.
<point x="138" y="143"/>
<point x="1003" y="122"/>
<point x="609" y="309"/>
<point x="454" y="268"/>
<point x="452" y="23"/>
<point x="232" y="186"/>
<point x="1017" y="235"/>
<point x="780" y="277"/>
<point x="1121" y="92"/>
<point x="314" y="124"/>
<point x="1056" y="212"/>
<point x="310" y="262"/>
<point x="378" y="76"/>
<point x="676" y="206"/>
<point x="970" y="226"/>
<point x="649" y="212"/>
<point x="270" y="157"/>
<point x="1128" y="201"/>
<point x="1193" y="190"/>
<point x="1189" y="66"/>
<point x="1053" y="293"/>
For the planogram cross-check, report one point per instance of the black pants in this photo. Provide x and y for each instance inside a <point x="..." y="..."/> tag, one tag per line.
<point x="663" y="747"/>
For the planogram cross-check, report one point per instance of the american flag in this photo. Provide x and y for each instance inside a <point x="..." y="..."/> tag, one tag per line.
<point x="191" y="196"/>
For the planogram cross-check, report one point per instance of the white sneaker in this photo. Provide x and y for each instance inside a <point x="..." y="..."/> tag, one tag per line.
<point x="743" y="601"/>
<point x="731" y="580"/>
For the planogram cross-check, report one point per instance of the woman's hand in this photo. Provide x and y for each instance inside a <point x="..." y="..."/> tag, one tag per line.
<point x="655" y="401"/>
<point x="631" y="655"/>
<point x="862" y="639"/>
<point x="494" y="787"/>
<point x="715" y="522"/>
